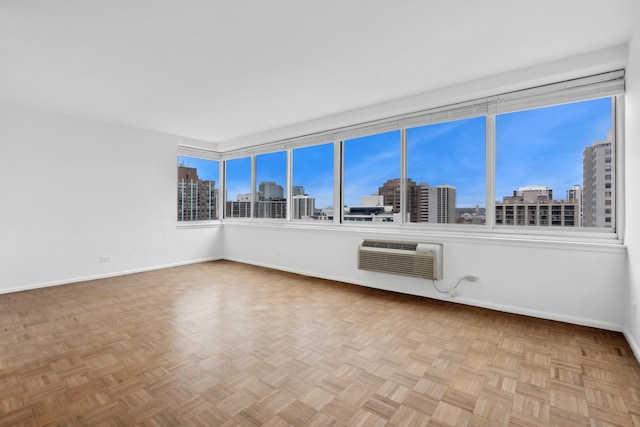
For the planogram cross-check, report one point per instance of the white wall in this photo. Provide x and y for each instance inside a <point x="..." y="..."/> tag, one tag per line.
<point x="74" y="190"/>
<point x="632" y="157"/>
<point x="584" y="283"/>
<point x="578" y="283"/>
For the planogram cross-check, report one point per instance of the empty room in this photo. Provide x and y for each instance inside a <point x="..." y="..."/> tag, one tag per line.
<point x="359" y="213"/>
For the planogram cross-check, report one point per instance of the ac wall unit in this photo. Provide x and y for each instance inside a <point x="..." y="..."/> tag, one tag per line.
<point x="405" y="258"/>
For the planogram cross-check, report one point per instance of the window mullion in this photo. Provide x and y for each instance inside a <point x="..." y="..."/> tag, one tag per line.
<point x="617" y="121"/>
<point x="253" y="187"/>
<point x="403" y="175"/>
<point x="490" y="170"/>
<point x="222" y="190"/>
<point x="289" y="185"/>
<point x="338" y="177"/>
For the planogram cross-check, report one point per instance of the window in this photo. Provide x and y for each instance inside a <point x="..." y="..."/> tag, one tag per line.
<point x="312" y="190"/>
<point x="238" y="195"/>
<point x="197" y="190"/>
<point x="271" y="183"/>
<point x="372" y="178"/>
<point x="543" y="153"/>
<point x="517" y="159"/>
<point x="446" y="173"/>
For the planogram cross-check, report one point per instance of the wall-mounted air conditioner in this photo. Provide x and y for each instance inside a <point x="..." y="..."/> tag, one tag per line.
<point x="405" y="258"/>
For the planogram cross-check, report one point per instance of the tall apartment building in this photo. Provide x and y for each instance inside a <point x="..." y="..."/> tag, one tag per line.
<point x="270" y="190"/>
<point x="196" y="198"/>
<point x="303" y="206"/>
<point x="298" y="190"/>
<point x="598" y="173"/>
<point x="261" y="209"/>
<point x="534" y="206"/>
<point x="531" y="192"/>
<point x="390" y="191"/>
<point x="238" y="209"/>
<point x="269" y="203"/>
<point x="270" y="209"/>
<point x="437" y="204"/>
<point x="575" y="194"/>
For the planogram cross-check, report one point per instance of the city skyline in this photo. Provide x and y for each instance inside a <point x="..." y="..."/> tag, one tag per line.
<point x="533" y="147"/>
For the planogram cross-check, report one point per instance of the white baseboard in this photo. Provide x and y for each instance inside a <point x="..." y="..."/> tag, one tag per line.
<point x="103" y="276"/>
<point x="633" y="344"/>
<point x="460" y="300"/>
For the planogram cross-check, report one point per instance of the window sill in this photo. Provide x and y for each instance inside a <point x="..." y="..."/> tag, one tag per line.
<point x="467" y="234"/>
<point x="198" y="224"/>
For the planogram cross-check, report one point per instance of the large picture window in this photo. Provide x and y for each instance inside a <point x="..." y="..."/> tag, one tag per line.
<point x="197" y="189"/>
<point x="532" y="160"/>
<point x="555" y="166"/>
<point x="238" y="192"/>
<point x="446" y="172"/>
<point x="372" y="178"/>
<point x="271" y="185"/>
<point x="312" y="190"/>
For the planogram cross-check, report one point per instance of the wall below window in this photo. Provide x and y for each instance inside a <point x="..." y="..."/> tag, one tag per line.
<point x="74" y="191"/>
<point x="578" y="283"/>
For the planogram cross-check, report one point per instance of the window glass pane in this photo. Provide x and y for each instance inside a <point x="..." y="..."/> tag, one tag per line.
<point x="271" y="184"/>
<point x="238" y="188"/>
<point x="446" y="172"/>
<point x="197" y="189"/>
<point x="371" y="178"/>
<point x="312" y="193"/>
<point x="551" y="161"/>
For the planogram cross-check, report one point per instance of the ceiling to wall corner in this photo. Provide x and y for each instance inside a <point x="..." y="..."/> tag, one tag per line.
<point x="221" y="71"/>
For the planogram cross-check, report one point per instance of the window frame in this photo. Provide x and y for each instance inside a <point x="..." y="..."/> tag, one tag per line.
<point x="251" y="183"/>
<point x="203" y="154"/>
<point x="291" y="180"/>
<point x="605" y="85"/>
<point x="255" y="185"/>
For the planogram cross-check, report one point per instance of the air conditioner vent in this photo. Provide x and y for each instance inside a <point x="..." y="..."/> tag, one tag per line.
<point x="404" y="258"/>
<point x="404" y="246"/>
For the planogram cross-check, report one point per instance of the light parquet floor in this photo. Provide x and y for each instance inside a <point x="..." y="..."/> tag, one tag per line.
<point x="222" y="343"/>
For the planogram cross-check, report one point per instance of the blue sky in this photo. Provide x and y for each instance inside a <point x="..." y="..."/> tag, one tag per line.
<point x="450" y="153"/>
<point x="544" y="146"/>
<point x="313" y="169"/>
<point x="238" y="177"/>
<point x="533" y="147"/>
<point x="207" y="170"/>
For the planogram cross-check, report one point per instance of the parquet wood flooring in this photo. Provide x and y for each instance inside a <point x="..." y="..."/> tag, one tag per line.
<point x="226" y="344"/>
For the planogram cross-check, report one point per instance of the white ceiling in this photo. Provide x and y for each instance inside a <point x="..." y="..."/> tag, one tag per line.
<point x="220" y="71"/>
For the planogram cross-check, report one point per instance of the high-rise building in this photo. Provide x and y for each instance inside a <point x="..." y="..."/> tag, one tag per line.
<point x="298" y="190"/>
<point x="575" y="194"/>
<point x="390" y="191"/>
<point x="437" y="204"/>
<point x="598" y="173"/>
<point x="196" y="198"/>
<point x="303" y="206"/>
<point x="270" y="209"/>
<point x="269" y="190"/>
<point x="271" y="202"/>
<point x="238" y="209"/>
<point x="534" y="206"/>
<point x="531" y="193"/>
